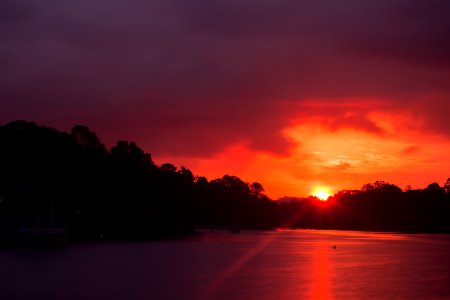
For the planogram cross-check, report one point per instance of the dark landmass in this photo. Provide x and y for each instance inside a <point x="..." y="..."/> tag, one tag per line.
<point x="378" y="206"/>
<point x="52" y="180"/>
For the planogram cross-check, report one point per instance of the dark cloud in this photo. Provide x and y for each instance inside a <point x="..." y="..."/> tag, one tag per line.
<point x="183" y="77"/>
<point x="415" y="32"/>
<point x="14" y="11"/>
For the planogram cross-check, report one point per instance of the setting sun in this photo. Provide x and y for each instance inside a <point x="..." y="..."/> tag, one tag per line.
<point x="321" y="194"/>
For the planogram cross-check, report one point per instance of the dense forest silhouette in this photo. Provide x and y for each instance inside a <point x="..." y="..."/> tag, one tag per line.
<point x="53" y="179"/>
<point x="378" y="206"/>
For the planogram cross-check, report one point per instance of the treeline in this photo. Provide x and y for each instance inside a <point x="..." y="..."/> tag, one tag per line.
<point x="50" y="179"/>
<point x="53" y="179"/>
<point x="376" y="206"/>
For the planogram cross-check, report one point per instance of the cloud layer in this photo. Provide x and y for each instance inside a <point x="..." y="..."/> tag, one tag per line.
<point x="193" y="79"/>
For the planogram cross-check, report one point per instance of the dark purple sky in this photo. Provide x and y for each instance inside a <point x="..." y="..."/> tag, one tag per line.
<point x="189" y="79"/>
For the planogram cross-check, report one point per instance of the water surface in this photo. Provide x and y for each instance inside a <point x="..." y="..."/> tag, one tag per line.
<point x="300" y="264"/>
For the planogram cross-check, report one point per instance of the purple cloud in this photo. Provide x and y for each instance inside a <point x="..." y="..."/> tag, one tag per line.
<point x="189" y="78"/>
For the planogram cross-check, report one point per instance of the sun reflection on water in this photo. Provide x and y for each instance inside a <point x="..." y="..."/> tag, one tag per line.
<point x="321" y="276"/>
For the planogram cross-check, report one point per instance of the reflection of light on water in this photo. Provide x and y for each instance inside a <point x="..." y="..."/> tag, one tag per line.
<point x="361" y="234"/>
<point x="321" y="272"/>
<point x="211" y="290"/>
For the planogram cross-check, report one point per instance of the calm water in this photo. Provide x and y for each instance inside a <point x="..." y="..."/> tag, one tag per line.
<point x="251" y="265"/>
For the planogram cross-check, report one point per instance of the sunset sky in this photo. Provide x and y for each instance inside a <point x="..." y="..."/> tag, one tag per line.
<point x="295" y="94"/>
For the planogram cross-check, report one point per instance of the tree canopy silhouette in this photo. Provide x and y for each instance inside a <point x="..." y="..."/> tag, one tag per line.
<point x="50" y="178"/>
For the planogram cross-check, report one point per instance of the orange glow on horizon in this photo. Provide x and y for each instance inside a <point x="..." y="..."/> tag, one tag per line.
<point x="335" y="156"/>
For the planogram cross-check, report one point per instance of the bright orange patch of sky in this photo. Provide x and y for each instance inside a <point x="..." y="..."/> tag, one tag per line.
<point x="361" y="91"/>
<point x="335" y="157"/>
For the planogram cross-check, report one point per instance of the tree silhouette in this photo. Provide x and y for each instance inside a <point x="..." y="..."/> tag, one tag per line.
<point x="447" y="186"/>
<point x="122" y="194"/>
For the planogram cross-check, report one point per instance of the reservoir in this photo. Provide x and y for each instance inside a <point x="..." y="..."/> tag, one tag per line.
<point x="281" y="264"/>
